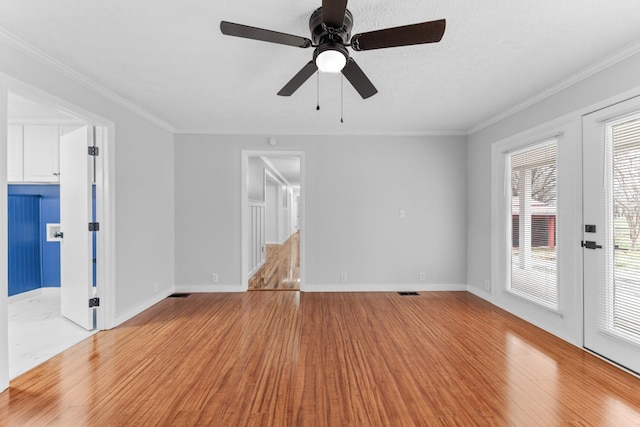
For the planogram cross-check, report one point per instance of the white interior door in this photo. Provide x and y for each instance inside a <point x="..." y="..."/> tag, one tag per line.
<point x="76" y="172"/>
<point x="611" y="244"/>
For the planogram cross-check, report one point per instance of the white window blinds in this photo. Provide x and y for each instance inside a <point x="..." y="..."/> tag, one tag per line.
<point x="532" y="207"/>
<point x="624" y="261"/>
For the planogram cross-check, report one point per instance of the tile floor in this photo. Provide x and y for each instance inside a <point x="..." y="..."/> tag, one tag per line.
<point x="37" y="332"/>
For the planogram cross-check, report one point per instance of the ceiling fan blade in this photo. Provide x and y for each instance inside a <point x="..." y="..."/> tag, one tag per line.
<point x="358" y="79"/>
<point x="425" y="32"/>
<point x="297" y="80"/>
<point x="247" y="32"/>
<point x="333" y="12"/>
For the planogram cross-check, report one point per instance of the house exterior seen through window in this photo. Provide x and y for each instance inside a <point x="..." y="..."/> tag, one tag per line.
<point x="533" y="202"/>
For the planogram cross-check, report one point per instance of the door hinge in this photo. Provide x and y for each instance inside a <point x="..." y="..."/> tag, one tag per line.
<point x="94" y="151"/>
<point x="94" y="302"/>
<point x="94" y="226"/>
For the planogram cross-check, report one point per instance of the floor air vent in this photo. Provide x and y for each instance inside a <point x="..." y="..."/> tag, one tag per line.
<point x="407" y="294"/>
<point x="179" y="295"/>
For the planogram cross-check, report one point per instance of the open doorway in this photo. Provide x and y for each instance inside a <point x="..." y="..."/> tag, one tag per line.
<point x="48" y="156"/>
<point x="272" y="225"/>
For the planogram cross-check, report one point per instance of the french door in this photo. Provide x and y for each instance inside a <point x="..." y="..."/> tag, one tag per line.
<point x="611" y="232"/>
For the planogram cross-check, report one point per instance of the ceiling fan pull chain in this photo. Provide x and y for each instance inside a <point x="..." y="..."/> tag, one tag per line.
<point x="318" y="91"/>
<point x="341" y="98"/>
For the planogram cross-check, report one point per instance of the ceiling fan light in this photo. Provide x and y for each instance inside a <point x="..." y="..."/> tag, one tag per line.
<point x="331" y="61"/>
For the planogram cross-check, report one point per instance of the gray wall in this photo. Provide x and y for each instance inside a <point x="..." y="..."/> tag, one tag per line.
<point x="355" y="187"/>
<point x="563" y="110"/>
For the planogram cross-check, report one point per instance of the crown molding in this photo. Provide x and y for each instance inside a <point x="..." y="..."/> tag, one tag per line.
<point x="272" y="132"/>
<point x="32" y="52"/>
<point x="581" y="75"/>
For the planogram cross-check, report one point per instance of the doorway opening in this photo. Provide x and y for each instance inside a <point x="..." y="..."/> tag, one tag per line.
<point x="52" y="152"/>
<point x="272" y="221"/>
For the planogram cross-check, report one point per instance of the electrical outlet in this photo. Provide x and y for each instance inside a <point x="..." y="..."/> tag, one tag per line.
<point x="156" y="286"/>
<point x="343" y="277"/>
<point x="214" y="277"/>
<point x="423" y="276"/>
<point x="487" y="284"/>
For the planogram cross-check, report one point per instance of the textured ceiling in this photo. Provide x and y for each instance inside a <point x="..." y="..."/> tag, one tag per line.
<point x="169" y="58"/>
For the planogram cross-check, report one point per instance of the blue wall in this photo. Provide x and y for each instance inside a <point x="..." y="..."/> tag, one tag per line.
<point x="29" y="226"/>
<point x="25" y="272"/>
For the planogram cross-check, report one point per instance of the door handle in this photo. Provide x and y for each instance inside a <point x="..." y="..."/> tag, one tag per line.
<point x="58" y="234"/>
<point x="590" y="245"/>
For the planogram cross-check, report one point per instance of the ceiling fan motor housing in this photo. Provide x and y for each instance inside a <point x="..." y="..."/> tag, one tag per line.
<point x="321" y="34"/>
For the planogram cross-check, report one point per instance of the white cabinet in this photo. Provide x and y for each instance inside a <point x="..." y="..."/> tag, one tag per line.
<point x="33" y="153"/>
<point x="15" y="154"/>
<point x="41" y="153"/>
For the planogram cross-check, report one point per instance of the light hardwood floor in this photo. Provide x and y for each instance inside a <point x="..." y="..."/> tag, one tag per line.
<point x="281" y="270"/>
<point x="323" y="359"/>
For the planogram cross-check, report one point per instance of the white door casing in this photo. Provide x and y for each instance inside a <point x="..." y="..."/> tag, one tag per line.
<point x="105" y="204"/>
<point x="246" y="211"/>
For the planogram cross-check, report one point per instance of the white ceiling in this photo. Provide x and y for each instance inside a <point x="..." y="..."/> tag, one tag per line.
<point x="170" y="59"/>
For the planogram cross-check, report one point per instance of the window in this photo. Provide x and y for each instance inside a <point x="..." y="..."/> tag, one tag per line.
<point x="532" y="207"/>
<point x="624" y="218"/>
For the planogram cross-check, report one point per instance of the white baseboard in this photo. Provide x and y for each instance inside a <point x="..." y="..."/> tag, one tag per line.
<point x="156" y="298"/>
<point x="480" y="293"/>
<point x="258" y="267"/>
<point x="208" y="288"/>
<point x="225" y="288"/>
<point x="532" y="319"/>
<point x="382" y="287"/>
<point x="487" y="296"/>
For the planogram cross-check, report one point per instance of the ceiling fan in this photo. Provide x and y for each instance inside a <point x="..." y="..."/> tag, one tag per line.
<point x="330" y="27"/>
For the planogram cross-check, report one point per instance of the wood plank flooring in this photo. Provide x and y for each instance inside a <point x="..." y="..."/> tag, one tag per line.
<point x="323" y="359"/>
<point x="281" y="270"/>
